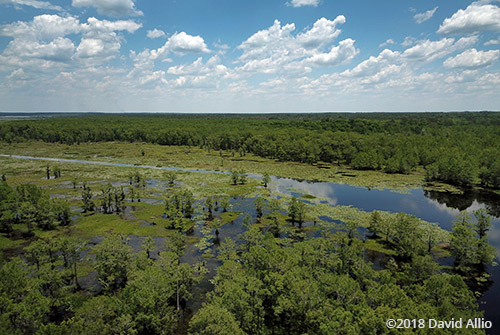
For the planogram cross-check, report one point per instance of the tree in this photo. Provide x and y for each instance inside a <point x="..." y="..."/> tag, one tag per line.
<point x="148" y="297"/>
<point x="463" y="242"/>
<point x="259" y="205"/>
<point x="7" y="207"/>
<point x="485" y="253"/>
<point x="209" y="206"/>
<point x="292" y="209"/>
<point x="148" y="246"/>
<point x="375" y="225"/>
<point x="170" y="176"/>
<point x="483" y="222"/>
<point x="242" y="177"/>
<point x="61" y="210"/>
<point x="72" y="250"/>
<point x="275" y="207"/>
<point x="88" y="204"/>
<point x="175" y="243"/>
<point x="213" y="319"/>
<point x="234" y="177"/>
<point x="266" y="179"/>
<point x="24" y="308"/>
<point x="407" y="238"/>
<point x="57" y="172"/>
<point x="217" y="223"/>
<point x="225" y="204"/>
<point x="99" y="315"/>
<point x="112" y="262"/>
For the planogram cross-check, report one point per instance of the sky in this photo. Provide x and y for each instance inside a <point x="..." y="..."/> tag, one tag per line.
<point x="256" y="56"/>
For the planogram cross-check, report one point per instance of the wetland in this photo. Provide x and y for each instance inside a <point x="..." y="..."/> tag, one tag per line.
<point x="172" y="239"/>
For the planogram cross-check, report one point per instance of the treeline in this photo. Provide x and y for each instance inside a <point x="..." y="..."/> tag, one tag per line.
<point x="458" y="148"/>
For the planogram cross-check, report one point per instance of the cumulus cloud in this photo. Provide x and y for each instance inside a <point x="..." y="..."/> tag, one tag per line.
<point x="42" y="42"/>
<point x="58" y="50"/>
<point x="198" y="67"/>
<point x="300" y="3"/>
<point x="32" y="3"/>
<point x="373" y="64"/>
<point x="277" y="48"/>
<point x="387" y="42"/>
<point x="182" y="43"/>
<point x="179" y="43"/>
<point x="324" y="31"/>
<point x="393" y="68"/>
<point x="42" y="27"/>
<point x="428" y="51"/>
<point x="91" y="47"/>
<point x="155" y="33"/>
<point x="95" y="26"/>
<point x="100" y="42"/>
<point x="113" y="8"/>
<point x="478" y="16"/>
<point x="472" y="59"/>
<point x="341" y="53"/>
<point x="492" y="42"/>
<point x="408" y="41"/>
<point x="425" y="16"/>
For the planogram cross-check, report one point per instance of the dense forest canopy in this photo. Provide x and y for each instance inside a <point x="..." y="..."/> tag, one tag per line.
<point x="458" y="148"/>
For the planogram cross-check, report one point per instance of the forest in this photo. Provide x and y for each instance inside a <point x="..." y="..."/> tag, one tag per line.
<point x="461" y="149"/>
<point x="151" y="249"/>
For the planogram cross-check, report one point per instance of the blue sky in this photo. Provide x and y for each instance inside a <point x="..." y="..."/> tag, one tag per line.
<point x="249" y="56"/>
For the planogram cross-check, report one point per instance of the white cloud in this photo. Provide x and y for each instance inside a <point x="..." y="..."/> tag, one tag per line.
<point x="428" y="51"/>
<point x="472" y="59"/>
<point x="492" y="42"/>
<point x="277" y="49"/>
<point x="42" y="44"/>
<point x="300" y="3"/>
<point x="425" y="16"/>
<point x="113" y="8"/>
<point x="42" y="27"/>
<point x="58" y="50"/>
<point x="155" y="33"/>
<point x="373" y="64"/>
<point x="90" y="47"/>
<point x="342" y="53"/>
<point x="478" y="16"/>
<point x="212" y="66"/>
<point x="32" y="3"/>
<point x="323" y="32"/>
<point x="408" y="41"/>
<point x="182" y="43"/>
<point x="387" y="42"/>
<point x="96" y="26"/>
<point x="100" y="42"/>
<point x="17" y="74"/>
<point x="179" y="43"/>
